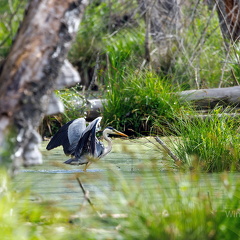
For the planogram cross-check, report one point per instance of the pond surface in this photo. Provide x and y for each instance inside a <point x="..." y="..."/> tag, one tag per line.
<point x="55" y="181"/>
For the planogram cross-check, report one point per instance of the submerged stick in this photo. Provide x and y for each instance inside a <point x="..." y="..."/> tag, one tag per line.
<point x="85" y="193"/>
<point x="169" y="152"/>
<point x="101" y="215"/>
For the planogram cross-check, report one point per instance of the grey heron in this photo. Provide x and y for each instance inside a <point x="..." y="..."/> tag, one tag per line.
<point x="81" y="142"/>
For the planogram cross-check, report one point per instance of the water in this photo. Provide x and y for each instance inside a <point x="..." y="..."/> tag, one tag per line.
<point x="55" y="181"/>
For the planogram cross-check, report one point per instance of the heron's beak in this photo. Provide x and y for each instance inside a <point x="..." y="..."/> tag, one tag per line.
<point x="120" y="133"/>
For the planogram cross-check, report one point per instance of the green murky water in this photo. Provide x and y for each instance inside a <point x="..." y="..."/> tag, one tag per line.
<point x="55" y="181"/>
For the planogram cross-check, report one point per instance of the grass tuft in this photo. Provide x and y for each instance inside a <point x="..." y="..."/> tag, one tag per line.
<point x="140" y="101"/>
<point x="211" y="144"/>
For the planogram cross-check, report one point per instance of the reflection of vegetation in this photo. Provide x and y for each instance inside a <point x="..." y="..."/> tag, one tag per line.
<point x="149" y="206"/>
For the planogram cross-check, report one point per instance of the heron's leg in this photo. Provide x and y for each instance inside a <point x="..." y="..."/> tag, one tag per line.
<point x="86" y="166"/>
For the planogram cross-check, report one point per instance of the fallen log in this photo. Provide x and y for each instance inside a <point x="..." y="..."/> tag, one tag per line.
<point x="209" y="98"/>
<point x="202" y="99"/>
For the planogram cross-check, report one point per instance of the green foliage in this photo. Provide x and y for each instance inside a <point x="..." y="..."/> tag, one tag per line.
<point x="234" y="62"/>
<point x="212" y="144"/>
<point x="125" y="49"/>
<point x="177" y="207"/>
<point x="22" y="219"/>
<point x="139" y="101"/>
<point x="7" y="148"/>
<point x="150" y="206"/>
<point x="97" y="34"/>
<point x="196" y="59"/>
<point x="89" y="37"/>
<point x="11" y="13"/>
<point x="201" y="54"/>
<point x="74" y="104"/>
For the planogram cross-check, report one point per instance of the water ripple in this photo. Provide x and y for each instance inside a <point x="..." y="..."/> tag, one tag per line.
<point x="60" y="171"/>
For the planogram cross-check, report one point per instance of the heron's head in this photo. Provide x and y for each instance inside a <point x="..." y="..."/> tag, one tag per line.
<point x="111" y="130"/>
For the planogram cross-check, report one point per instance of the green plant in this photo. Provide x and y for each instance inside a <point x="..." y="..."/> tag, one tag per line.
<point x="177" y="207"/>
<point x="11" y="13"/>
<point x="200" y="57"/>
<point x="141" y="101"/>
<point x="74" y="107"/>
<point x="211" y="143"/>
<point x="74" y="103"/>
<point x="125" y="49"/>
<point x="105" y="30"/>
<point x="145" y="204"/>
<point x="28" y="220"/>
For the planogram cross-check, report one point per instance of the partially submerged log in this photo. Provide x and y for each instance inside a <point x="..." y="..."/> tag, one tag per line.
<point x="31" y="70"/>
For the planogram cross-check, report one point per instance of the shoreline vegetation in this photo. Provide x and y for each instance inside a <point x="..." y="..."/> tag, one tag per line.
<point x="146" y="204"/>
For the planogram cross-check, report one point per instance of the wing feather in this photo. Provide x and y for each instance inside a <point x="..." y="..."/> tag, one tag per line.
<point x="60" y="138"/>
<point x="75" y="132"/>
<point x="68" y="136"/>
<point x="87" y="142"/>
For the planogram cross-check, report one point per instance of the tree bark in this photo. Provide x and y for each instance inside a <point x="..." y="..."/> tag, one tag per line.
<point x="165" y="26"/>
<point x="30" y="71"/>
<point x="229" y="18"/>
<point x="209" y="98"/>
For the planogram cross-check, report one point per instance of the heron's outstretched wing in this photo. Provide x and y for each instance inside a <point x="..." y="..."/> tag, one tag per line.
<point x="75" y="131"/>
<point x="60" y="138"/>
<point x="88" y="140"/>
<point x="68" y="136"/>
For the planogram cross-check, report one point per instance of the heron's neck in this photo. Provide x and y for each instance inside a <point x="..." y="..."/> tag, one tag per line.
<point x="108" y="148"/>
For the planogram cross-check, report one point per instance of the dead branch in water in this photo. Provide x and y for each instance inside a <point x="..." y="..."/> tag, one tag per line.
<point x="169" y="152"/>
<point x="101" y="215"/>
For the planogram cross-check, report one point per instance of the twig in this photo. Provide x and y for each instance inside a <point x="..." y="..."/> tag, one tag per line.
<point x="103" y="215"/>
<point x="94" y="77"/>
<point x="170" y="153"/>
<point x="87" y="197"/>
<point x="147" y="39"/>
<point x="196" y="77"/>
<point x="85" y="193"/>
<point x="210" y="116"/>
<point x="234" y="77"/>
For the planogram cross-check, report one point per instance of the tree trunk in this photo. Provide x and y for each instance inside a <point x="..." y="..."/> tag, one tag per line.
<point x="165" y="27"/>
<point x="229" y="18"/>
<point x="31" y="69"/>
